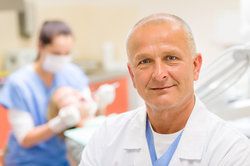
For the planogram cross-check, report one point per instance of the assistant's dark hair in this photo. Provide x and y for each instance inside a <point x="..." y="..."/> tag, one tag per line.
<point x="50" y="29"/>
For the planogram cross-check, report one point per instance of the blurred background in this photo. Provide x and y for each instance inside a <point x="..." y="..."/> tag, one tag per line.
<point x="100" y="29"/>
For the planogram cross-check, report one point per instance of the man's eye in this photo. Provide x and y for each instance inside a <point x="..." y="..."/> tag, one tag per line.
<point x="171" y="58"/>
<point x="144" y="61"/>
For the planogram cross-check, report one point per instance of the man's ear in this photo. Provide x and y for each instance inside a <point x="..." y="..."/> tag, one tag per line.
<point x="131" y="73"/>
<point x="197" y="62"/>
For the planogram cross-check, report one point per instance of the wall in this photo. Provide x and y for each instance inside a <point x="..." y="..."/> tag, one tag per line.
<point x="9" y="37"/>
<point x="95" y="22"/>
<point x="202" y="17"/>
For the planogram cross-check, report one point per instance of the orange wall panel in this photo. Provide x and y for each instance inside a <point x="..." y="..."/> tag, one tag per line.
<point x="4" y="127"/>
<point x="120" y="103"/>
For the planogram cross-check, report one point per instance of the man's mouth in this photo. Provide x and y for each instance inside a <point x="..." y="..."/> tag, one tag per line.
<point x="162" y="87"/>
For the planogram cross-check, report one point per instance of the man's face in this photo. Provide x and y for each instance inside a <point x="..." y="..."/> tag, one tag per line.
<point x="161" y="65"/>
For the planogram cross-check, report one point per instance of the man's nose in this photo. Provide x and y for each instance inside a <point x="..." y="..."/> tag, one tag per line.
<point x="160" y="72"/>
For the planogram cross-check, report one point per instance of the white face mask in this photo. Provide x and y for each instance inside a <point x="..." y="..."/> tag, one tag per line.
<point x="54" y="63"/>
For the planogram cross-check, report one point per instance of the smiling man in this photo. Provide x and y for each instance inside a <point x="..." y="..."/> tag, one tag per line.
<point x="174" y="127"/>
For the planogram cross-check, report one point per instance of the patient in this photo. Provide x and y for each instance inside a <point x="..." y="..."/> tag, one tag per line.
<point x="67" y="97"/>
<point x="84" y="106"/>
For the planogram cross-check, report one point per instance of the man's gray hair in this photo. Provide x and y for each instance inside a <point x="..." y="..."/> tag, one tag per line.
<point x="163" y="18"/>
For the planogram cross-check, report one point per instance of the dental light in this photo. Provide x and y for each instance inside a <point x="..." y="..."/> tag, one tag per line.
<point x="223" y="73"/>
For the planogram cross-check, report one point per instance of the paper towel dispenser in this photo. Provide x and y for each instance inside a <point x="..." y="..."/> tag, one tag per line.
<point x="26" y="14"/>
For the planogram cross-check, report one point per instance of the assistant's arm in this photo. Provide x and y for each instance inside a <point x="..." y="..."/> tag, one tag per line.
<point x="28" y="134"/>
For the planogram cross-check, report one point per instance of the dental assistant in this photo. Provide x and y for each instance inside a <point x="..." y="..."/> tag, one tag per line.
<point x="26" y="95"/>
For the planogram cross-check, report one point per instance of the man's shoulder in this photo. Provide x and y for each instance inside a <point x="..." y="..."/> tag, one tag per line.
<point x="229" y="144"/>
<point x="124" y="118"/>
<point x="221" y="129"/>
<point x="119" y="125"/>
<point x="217" y="139"/>
<point x="222" y="126"/>
<point x="225" y="139"/>
<point x="219" y="132"/>
<point x="229" y="132"/>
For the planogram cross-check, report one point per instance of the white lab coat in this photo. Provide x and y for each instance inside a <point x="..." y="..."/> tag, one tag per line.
<point x="206" y="141"/>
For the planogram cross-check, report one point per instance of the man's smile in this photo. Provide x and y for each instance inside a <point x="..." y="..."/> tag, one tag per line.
<point x="162" y="87"/>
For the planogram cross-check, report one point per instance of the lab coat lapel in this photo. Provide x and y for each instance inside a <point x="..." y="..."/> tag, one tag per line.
<point x="194" y="136"/>
<point x="136" y="145"/>
<point x="191" y="145"/>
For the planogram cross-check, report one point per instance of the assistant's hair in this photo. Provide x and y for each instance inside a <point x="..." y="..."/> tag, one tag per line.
<point x="164" y="18"/>
<point x="50" y="29"/>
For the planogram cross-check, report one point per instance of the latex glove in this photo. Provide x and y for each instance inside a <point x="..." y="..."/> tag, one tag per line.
<point x="90" y="106"/>
<point x="105" y="95"/>
<point x="67" y="117"/>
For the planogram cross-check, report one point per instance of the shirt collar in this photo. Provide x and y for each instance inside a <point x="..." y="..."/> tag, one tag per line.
<point x="193" y="138"/>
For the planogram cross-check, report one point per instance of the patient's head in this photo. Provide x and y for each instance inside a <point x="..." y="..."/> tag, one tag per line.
<point x="63" y="97"/>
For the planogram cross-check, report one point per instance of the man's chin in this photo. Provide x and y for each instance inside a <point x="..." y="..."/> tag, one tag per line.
<point x="161" y="106"/>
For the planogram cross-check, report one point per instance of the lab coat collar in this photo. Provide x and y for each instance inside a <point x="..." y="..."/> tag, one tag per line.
<point x="192" y="141"/>
<point x="136" y="140"/>
<point x="136" y="137"/>
<point x="194" y="136"/>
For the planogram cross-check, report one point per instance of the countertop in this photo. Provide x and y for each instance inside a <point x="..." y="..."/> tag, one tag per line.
<point x="103" y="75"/>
